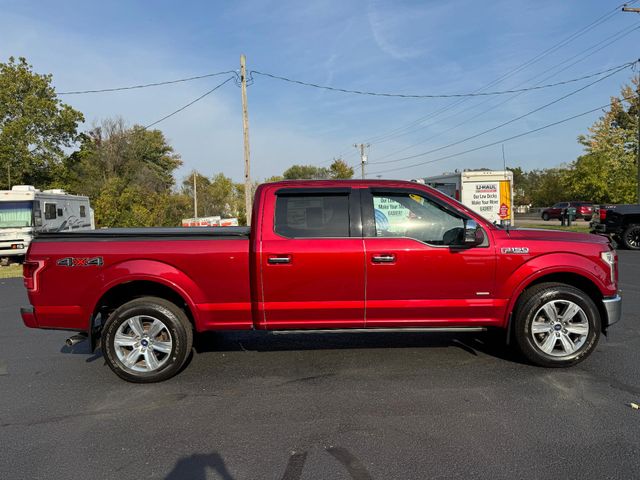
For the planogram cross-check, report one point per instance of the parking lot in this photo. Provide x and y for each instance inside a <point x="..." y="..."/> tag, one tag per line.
<point x="334" y="406"/>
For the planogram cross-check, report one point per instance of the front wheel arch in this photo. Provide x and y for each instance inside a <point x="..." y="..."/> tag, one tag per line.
<point x="571" y="279"/>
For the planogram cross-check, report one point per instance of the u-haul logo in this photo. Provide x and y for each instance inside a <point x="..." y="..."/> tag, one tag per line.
<point x="515" y="250"/>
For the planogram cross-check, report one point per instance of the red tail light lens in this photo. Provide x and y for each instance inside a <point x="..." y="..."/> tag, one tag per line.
<point x="603" y="214"/>
<point x="29" y="273"/>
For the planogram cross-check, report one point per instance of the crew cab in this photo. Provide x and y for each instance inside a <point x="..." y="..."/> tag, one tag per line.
<point x="324" y="255"/>
<point x="620" y="222"/>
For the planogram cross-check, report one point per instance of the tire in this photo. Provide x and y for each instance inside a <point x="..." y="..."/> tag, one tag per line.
<point x="548" y="341"/>
<point x="631" y="237"/>
<point x="147" y="340"/>
<point x="545" y="216"/>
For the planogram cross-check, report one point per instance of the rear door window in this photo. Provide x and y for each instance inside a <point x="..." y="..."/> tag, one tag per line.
<point x="312" y="216"/>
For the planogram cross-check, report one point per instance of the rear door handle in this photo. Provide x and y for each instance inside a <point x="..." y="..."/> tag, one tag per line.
<point x="384" y="258"/>
<point x="279" y="259"/>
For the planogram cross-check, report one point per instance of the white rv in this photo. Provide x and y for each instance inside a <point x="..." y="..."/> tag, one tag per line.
<point x="25" y="211"/>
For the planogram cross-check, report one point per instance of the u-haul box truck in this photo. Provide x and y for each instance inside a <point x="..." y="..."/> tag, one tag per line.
<point x="487" y="192"/>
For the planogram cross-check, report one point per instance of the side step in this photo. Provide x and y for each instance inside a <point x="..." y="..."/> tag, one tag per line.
<point x="381" y="330"/>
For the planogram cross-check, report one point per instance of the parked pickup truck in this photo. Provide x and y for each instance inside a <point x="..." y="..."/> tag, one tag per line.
<point x="620" y="222"/>
<point x="324" y="255"/>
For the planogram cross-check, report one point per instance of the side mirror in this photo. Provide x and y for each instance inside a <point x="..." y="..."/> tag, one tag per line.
<point x="473" y="235"/>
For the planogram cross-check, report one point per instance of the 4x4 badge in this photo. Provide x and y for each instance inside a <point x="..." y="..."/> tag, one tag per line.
<point x="515" y="250"/>
<point x="80" y="262"/>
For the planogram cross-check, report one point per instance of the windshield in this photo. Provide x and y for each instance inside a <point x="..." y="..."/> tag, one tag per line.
<point x="15" y="214"/>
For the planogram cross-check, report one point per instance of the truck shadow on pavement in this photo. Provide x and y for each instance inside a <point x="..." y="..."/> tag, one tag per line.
<point x="197" y="466"/>
<point x="258" y="341"/>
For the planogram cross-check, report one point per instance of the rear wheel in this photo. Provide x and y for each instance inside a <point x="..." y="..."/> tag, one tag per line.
<point x="545" y="216"/>
<point x="556" y="325"/>
<point x="147" y="340"/>
<point x="631" y="237"/>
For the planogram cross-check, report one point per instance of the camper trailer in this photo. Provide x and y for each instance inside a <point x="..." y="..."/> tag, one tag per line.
<point x="25" y="211"/>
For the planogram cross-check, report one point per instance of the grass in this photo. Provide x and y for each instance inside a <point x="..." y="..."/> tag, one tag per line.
<point x="12" y="271"/>
<point x="581" y="228"/>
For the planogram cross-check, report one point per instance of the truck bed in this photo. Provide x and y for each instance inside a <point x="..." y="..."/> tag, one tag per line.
<point x="208" y="265"/>
<point x="177" y="233"/>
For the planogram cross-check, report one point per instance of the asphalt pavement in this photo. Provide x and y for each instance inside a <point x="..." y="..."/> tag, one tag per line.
<point x="334" y="406"/>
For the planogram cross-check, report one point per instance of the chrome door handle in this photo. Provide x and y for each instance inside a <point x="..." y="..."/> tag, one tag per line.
<point x="279" y="260"/>
<point x="384" y="258"/>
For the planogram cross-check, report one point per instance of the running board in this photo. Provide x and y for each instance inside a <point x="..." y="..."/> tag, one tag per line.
<point x="381" y="330"/>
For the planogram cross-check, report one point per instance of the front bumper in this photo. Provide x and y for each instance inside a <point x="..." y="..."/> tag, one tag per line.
<point x="613" y="308"/>
<point x="7" y="249"/>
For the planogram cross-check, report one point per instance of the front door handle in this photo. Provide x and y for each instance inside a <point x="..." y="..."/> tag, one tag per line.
<point x="384" y="258"/>
<point x="279" y="259"/>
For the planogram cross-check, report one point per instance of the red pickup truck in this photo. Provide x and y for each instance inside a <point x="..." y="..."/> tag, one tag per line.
<point x="324" y="255"/>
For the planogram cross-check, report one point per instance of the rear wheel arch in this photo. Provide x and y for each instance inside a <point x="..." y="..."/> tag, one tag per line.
<point x="125" y="291"/>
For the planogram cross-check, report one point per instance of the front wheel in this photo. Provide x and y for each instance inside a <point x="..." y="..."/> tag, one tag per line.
<point x="545" y="216"/>
<point x="147" y="340"/>
<point x="556" y="325"/>
<point x="631" y="237"/>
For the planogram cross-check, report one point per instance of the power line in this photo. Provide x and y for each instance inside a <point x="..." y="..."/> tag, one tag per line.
<point x="529" y="132"/>
<point x="603" y="18"/>
<point x="614" y="38"/>
<point x="531" y="112"/>
<point x="190" y="103"/>
<point x="450" y="95"/>
<point x="146" y="85"/>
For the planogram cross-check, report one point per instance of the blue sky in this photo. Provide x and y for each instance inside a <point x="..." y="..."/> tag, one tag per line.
<point x="421" y="47"/>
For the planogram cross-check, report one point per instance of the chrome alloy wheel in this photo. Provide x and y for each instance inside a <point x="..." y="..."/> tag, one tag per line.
<point x="560" y="328"/>
<point x="143" y="343"/>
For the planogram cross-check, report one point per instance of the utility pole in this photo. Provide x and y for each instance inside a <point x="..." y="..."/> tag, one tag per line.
<point x="363" y="155"/>
<point x="245" y="132"/>
<point x="195" y="195"/>
<point x="636" y="10"/>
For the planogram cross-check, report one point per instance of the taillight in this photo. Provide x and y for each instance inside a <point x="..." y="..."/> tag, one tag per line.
<point x="29" y="272"/>
<point x="603" y="214"/>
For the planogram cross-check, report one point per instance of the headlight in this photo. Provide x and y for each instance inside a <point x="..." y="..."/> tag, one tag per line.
<point x="610" y="259"/>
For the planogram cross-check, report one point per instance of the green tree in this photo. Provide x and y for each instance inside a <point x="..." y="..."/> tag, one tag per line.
<point x="546" y="187"/>
<point x="608" y="170"/>
<point x="35" y="126"/>
<point x="274" y="178"/>
<point x="305" y="172"/>
<point x="340" y="170"/>
<point x="337" y="170"/>
<point x="127" y="173"/>
<point x="216" y="196"/>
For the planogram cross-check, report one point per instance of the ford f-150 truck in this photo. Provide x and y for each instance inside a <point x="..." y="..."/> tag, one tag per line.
<point x="324" y="255"/>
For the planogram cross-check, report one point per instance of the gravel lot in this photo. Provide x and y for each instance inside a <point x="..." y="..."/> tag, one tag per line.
<point x="359" y="406"/>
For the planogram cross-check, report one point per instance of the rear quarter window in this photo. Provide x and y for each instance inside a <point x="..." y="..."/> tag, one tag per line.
<point x="312" y="216"/>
